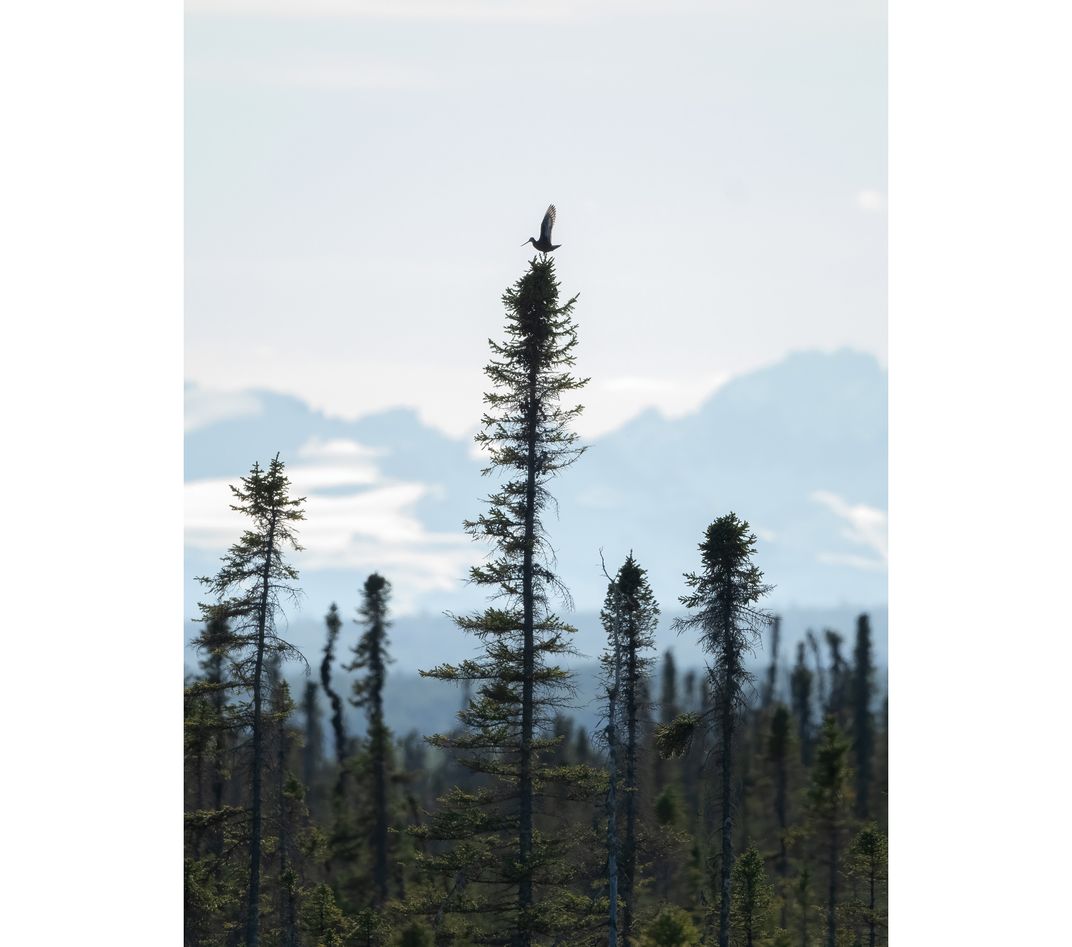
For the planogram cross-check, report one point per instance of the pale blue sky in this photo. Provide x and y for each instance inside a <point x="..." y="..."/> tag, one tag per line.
<point x="359" y="177"/>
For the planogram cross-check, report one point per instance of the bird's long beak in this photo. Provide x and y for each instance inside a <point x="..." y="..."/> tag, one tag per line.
<point x="527" y="241"/>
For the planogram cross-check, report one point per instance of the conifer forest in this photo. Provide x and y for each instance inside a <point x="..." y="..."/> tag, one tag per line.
<point x="742" y="803"/>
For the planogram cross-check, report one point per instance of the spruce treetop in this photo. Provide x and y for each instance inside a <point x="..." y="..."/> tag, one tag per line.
<point x="723" y="599"/>
<point x="630" y="615"/>
<point x="729" y="578"/>
<point x="370" y="652"/>
<point x="254" y="575"/>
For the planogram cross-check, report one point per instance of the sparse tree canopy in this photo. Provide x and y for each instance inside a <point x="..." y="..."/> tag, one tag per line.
<point x="371" y="658"/>
<point x="723" y="605"/>
<point x="829" y="799"/>
<point x="630" y="616"/>
<point x="863" y="724"/>
<point x="752" y="898"/>
<point x="867" y="863"/>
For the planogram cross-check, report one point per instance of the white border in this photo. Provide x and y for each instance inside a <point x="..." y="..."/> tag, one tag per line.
<point x="91" y="225"/>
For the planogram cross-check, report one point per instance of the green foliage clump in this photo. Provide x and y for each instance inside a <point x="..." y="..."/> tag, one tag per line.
<point x="752" y="899"/>
<point x="675" y="738"/>
<point x="671" y="927"/>
<point x="323" y="920"/>
<point x="415" y="934"/>
<point x="867" y="863"/>
<point x="667" y="807"/>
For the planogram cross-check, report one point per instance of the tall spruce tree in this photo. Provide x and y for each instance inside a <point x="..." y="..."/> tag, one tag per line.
<point x="800" y="682"/>
<point x="630" y="616"/>
<point x="770" y="685"/>
<point x="498" y="845"/>
<point x="802" y="895"/>
<point x="372" y="658"/>
<point x="214" y="879"/>
<point x="867" y="863"/>
<point x="828" y="799"/>
<point x="752" y="897"/>
<point x="249" y="589"/>
<point x="612" y="670"/>
<point x="723" y="603"/>
<point x="778" y="754"/>
<point x="863" y="722"/>
<point x="285" y="829"/>
<point x="839" y="677"/>
<point x="313" y="747"/>
<point x="334" y="624"/>
<point x="208" y="731"/>
<point x="668" y="710"/>
<point x="820" y="674"/>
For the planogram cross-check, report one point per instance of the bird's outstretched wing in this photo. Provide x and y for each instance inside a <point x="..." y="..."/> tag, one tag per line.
<point x="548" y="223"/>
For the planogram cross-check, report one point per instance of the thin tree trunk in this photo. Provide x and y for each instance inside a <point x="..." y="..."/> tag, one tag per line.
<point x="524" y="894"/>
<point x="727" y="824"/>
<point x="253" y="916"/>
<point x="290" y="933"/>
<point x="612" y="790"/>
<point x="781" y="784"/>
<point x="831" y="905"/>
<point x="871" y="912"/>
<point x="380" y="792"/>
<point x="630" y="850"/>
<point x="820" y="674"/>
<point x="612" y="821"/>
<point x="217" y="764"/>
<point x="199" y="795"/>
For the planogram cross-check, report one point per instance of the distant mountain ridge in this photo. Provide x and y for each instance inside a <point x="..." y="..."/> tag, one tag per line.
<point x="797" y="448"/>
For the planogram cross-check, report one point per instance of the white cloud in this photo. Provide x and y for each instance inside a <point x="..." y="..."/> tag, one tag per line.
<point x="338" y="448"/>
<point x="617" y="400"/>
<point x="205" y="407"/>
<point x="865" y="526"/>
<point x="374" y="527"/>
<point x="871" y="201"/>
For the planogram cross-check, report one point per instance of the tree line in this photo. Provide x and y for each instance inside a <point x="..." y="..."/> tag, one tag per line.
<point x="708" y="807"/>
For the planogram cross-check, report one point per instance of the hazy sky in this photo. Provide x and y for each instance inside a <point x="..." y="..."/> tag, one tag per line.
<point x="360" y="176"/>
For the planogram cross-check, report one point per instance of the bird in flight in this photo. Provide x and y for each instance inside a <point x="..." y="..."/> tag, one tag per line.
<point x="544" y="244"/>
